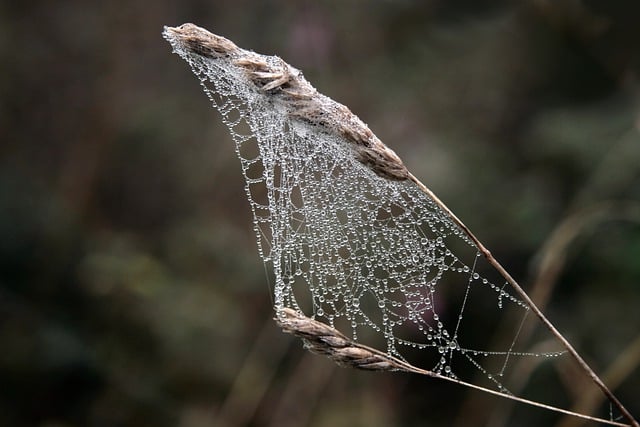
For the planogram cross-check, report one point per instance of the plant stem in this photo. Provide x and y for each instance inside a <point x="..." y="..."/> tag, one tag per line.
<point x="490" y="258"/>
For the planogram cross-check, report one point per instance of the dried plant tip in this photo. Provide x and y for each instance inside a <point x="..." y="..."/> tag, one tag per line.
<point x="200" y="41"/>
<point x="322" y="339"/>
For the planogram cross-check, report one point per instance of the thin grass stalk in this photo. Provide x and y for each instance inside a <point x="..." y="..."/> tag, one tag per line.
<point x="534" y="308"/>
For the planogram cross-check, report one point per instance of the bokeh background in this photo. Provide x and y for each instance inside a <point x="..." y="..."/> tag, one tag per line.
<point x="131" y="292"/>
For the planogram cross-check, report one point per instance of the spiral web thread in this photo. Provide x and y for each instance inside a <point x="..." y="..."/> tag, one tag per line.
<point x="373" y="257"/>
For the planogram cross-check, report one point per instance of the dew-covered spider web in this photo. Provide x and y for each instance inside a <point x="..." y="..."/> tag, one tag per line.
<point x="363" y="251"/>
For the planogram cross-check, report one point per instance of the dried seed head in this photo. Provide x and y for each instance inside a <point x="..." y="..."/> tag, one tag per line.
<point x="274" y="77"/>
<point x="322" y="339"/>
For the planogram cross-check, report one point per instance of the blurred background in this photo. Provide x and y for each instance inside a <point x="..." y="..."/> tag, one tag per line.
<point x="131" y="292"/>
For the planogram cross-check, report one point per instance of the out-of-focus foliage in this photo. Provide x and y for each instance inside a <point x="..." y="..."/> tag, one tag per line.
<point x="131" y="292"/>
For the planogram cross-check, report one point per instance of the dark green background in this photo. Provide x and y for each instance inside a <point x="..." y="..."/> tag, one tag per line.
<point x="131" y="292"/>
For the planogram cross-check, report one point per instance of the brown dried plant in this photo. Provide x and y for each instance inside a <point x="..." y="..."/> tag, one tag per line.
<point x="301" y="103"/>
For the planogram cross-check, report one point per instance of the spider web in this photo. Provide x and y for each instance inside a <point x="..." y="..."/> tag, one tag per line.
<point x="374" y="257"/>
